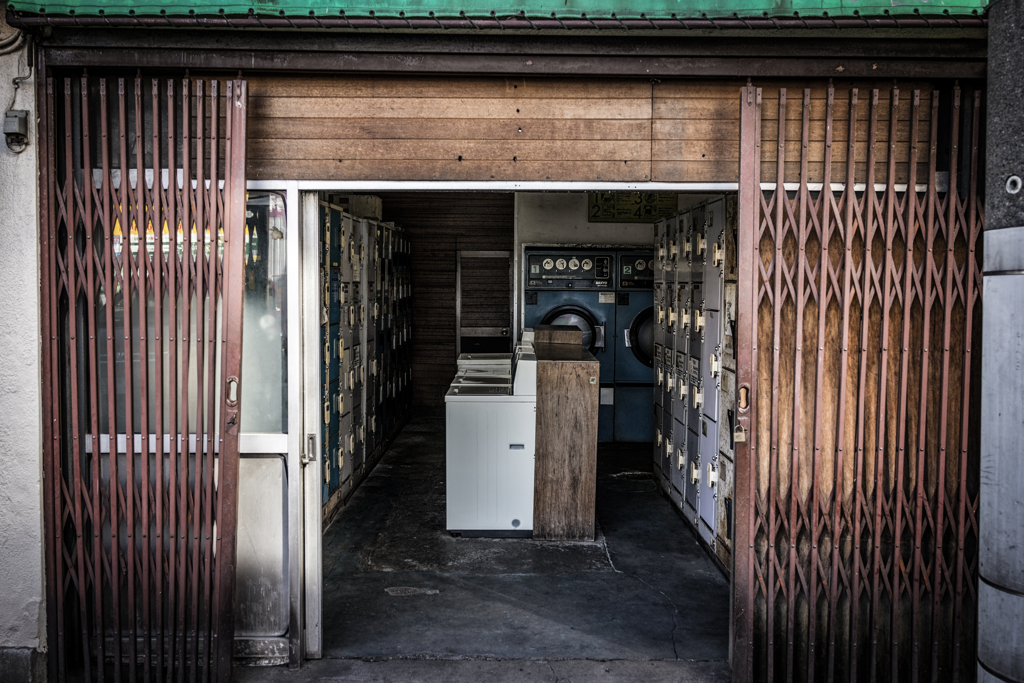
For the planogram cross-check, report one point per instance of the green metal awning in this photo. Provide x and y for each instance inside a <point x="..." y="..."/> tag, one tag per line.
<point x="590" y="9"/>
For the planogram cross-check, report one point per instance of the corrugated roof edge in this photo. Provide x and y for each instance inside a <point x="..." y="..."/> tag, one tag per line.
<point x="522" y="21"/>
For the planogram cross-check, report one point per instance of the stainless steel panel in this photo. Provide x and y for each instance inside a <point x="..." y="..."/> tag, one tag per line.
<point x="262" y="587"/>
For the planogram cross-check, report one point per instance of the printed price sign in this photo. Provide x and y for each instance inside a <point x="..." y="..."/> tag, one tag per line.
<point x="630" y="207"/>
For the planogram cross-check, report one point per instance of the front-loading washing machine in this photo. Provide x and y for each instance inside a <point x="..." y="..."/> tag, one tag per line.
<point x="571" y="286"/>
<point x="634" y="345"/>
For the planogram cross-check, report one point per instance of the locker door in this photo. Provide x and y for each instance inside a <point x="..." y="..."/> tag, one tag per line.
<point x="684" y="292"/>
<point x="667" y="446"/>
<point x="714" y="261"/>
<point x="681" y="390"/>
<point x="697" y="319"/>
<point x="697" y="394"/>
<point x="711" y="363"/>
<point x="677" y="466"/>
<point x="708" y="479"/>
<point x="698" y="244"/>
<point x="691" y="474"/>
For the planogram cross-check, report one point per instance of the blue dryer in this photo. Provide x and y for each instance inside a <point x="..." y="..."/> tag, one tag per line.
<point x="577" y="287"/>
<point x="634" y="346"/>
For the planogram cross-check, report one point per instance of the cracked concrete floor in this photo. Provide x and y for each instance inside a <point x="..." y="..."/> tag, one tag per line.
<point x="643" y="602"/>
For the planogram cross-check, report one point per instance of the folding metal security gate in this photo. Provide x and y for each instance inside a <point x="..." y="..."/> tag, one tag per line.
<point x="143" y="199"/>
<point x="860" y="303"/>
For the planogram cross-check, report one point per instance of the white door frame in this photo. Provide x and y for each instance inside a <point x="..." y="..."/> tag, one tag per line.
<point x="305" y="504"/>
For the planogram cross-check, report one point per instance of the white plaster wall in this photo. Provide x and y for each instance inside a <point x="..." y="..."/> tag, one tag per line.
<point x="560" y="218"/>
<point x="22" y="611"/>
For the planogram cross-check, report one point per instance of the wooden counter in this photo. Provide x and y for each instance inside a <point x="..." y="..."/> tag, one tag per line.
<point x="565" y="479"/>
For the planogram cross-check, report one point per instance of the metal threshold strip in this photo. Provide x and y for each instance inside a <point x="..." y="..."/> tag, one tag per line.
<point x="520" y="22"/>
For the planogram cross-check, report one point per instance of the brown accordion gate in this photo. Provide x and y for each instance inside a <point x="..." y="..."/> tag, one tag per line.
<point x="860" y="303"/>
<point x="143" y="201"/>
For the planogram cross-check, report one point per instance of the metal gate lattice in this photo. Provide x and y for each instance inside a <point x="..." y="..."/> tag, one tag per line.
<point x="861" y="291"/>
<point x="143" y="190"/>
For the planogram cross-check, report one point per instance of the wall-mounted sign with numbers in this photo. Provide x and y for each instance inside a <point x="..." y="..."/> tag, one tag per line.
<point x="630" y="207"/>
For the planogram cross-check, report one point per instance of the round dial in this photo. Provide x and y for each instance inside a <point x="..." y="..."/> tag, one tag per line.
<point x="548" y="264"/>
<point x="587" y="264"/>
<point x="573" y="264"/>
<point x="640" y="264"/>
<point x="560" y="264"/>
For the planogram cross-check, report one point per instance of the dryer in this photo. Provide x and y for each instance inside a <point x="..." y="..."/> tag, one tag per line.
<point x="634" y="345"/>
<point x="573" y="286"/>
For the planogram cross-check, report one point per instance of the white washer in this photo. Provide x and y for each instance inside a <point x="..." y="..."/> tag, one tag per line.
<point x="490" y="449"/>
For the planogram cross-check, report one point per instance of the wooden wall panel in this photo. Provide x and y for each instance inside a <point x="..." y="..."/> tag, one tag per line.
<point x="409" y="128"/>
<point x="360" y="128"/>
<point x="438" y="225"/>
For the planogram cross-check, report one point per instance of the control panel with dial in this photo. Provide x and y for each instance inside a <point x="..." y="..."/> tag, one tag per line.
<point x="636" y="270"/>
<point x="569" y="270"/>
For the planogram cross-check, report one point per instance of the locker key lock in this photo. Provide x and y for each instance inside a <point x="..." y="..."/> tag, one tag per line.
<point x="716" y="255"/>
<point x="682" y="388"/>
<point x="714" y="365"/>
<point x="694" y="473"/>
<point x="673" y="250"/>
<point x="698" y="397"/>
<point x="712" y="475"/>
<point x="680" y="459"/>
<point x="687" y="248"/>
<point x="668" y="449"/>
<point x="698" y="320"/>
<point x="671" y="316"/>
<point x="702" y="244"/>
<point x="684" y="317"/>
<point x="659" y="438"/>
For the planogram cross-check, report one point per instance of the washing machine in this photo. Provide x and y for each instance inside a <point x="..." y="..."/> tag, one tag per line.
<point x="634" y="346"/>
<point x="568" y="286"/>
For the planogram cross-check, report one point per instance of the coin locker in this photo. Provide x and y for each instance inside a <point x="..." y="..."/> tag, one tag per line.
<point x="365" y="346"/>
<point x="695" y="297"/>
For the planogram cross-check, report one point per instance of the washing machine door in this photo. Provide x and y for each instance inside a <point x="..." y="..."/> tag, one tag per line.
<point x="577" y="316"/>
<point x="641" y="336"/>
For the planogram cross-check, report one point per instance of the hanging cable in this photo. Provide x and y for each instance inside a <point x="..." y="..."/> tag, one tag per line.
<point x="12" y="43"/>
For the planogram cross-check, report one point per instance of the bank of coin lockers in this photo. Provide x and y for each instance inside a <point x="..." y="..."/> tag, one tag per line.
<point x="366" y="338"/>
<point x="695" y="366"/>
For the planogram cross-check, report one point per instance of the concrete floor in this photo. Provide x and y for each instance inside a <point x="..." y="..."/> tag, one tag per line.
<point x="642" y="602"/>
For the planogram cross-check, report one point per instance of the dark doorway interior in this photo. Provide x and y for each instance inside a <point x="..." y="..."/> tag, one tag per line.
<point x="643" y="591"/>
